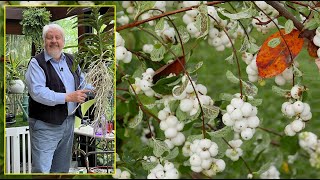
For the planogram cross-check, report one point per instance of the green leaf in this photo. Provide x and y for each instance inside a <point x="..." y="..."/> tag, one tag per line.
<point x="279" y="91"/>
<point x="159" y="147"/>
<point x="195" y="68"/>
<point x="263" y="142"/>
<point x="311" y="24"/>
<point x="232" y="78"/>
<point x="264" y="167"/>
<point x="144" y="5"/>
<point x="182" y="116"/>
<point x="174" y="105"/>
<point x="253" y="48"/>
<point x="172" y="154"/>
<point x="157" y="54"/>
<point x="225" y="131"/>
<point x="191" y="138"/>
<point x="230" y="59"/>
<point x="210" y="112"/>
<point x="249" y="88"/>
<point x="289" y="144"/>
<point x="226" y="96"/>
<point x="288" y="27"/>
<point x="86" y="105"/>
<point x="185" y="36"/>
<point x="255" y="102"/>
<point x="160" y="25"/>
<point x="297" y="72"/>
<point x="149" y="165"/>
<point x="202" y="21"/>
<point x="136" y="120"/>
<point x="247" y="13"/>
<point x="274" y="42"/>
<point x="162" y="87"/>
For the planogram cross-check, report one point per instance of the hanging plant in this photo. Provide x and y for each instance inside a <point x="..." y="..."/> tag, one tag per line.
<point x="33" y="20"/>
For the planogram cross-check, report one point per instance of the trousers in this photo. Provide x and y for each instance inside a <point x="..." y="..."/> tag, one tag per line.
<point x="51" y="145"/>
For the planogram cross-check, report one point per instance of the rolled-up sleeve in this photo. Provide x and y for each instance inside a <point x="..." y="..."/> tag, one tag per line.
<point x="36" y="83"/>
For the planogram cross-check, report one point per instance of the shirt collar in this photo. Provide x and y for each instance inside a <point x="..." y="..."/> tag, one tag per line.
<point x="47" y="57"/>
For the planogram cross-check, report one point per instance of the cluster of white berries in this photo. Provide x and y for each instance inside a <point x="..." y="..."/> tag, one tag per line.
<point x="171" y="127"/>
<point x="298" y="109"/>
<point x="147" y="48"/>
<point x="242" y="117"/>
<point x="167" y="34"/>
<point x="166" y="171"/>
<point x="235" y="151"/>
<point x="129" y="7"/>
<point x="263" y="18"/>
<point x="146" y="134"/>
<point x="188" y="100"/>
<point x="189" y="18"/>
<point x="252" y="68"/>
<point x="310" y="143"/>
<point x="122" y="54"/>
<point x="122" y="18"/>
<point x="285" y="77"/>
<point x="316" y="40"/>
<point x="202" y="153"/>
<point x="271" y="173"/>
<point x="121" y="174"/>
<point x="144" y="85"/>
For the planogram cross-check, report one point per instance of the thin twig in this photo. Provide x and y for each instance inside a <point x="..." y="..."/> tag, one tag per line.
<point x="136" y="23"/>
<point x="269" y="131"/>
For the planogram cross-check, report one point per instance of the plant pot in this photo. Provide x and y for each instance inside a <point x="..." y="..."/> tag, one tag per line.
<point x="16" y="86"/>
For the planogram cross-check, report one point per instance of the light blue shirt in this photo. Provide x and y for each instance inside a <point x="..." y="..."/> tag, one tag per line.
<point x="36" y="82"/>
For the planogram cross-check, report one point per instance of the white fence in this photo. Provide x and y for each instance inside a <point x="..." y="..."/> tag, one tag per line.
<point x="18" y="150"/>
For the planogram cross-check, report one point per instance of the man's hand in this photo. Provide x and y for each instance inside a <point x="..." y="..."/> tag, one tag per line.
<point x="77" y="96"/>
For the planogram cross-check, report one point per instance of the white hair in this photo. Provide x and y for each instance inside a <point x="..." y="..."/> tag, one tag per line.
<point x="52" y="26"/>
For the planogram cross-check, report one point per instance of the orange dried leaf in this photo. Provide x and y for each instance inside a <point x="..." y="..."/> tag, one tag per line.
<point x="273" y="61"/>
<point x="312" y="49"/>
<point x="175" y="67"/>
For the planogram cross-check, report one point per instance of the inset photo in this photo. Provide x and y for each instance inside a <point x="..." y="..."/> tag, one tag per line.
<point x="59" y="89"/>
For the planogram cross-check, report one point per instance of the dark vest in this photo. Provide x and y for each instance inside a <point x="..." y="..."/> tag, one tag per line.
<point x="58" y="113"/>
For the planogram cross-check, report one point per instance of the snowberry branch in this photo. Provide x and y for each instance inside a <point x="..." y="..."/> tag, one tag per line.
<point x="244" y="29"/>
<point x="235" y="54"/>
<point x="139" y="102"/>
<point x="136" y="23"/>
<point x="245" y="163"/>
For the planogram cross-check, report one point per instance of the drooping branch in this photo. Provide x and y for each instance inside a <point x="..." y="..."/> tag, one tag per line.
<point x="309" y="34"/>
<point x="136" y="23"/>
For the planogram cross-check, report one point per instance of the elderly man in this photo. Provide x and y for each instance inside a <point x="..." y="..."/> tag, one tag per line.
<point x="53" y="89"/>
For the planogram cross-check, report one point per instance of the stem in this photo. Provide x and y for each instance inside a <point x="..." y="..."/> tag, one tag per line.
<point x="245" y="163"/>
<point x="122" y="89"/>
<point x="152" y="136"/>
<point x="235" y="54"/>
<point x="136" y="23"/>
<point x="269" y="131"/>
<point x="121" y="98"/>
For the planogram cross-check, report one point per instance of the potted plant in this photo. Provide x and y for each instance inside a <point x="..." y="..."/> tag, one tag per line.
<point x="15" y="67"/>
<point x="34" y="19"/>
